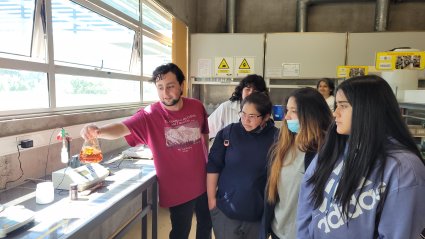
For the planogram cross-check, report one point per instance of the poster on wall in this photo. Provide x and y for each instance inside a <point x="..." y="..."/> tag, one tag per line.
<point x="244" y="66"/>
<point x="291" y="69"/>
<point x="204" y="67"/>
<point x="223" y="66"/>
<point x="389" y="60"/>
<point x="351" y="71"/>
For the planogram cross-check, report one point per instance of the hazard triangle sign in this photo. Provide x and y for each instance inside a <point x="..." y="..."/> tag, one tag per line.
<point x="245" y="66"/>
<point x="223" y="66"/>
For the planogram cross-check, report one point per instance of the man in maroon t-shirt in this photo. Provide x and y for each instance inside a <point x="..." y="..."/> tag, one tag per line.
<point x="176" y="130"/>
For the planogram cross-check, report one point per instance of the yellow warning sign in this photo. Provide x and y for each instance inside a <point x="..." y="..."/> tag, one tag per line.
<point x="223" y="64"/>
<point x="412" y="60"/>
<point x="244" y="64"/>
<point x="352" y="71"/>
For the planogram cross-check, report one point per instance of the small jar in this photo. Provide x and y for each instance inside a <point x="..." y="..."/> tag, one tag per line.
<point x="73" y="191"/>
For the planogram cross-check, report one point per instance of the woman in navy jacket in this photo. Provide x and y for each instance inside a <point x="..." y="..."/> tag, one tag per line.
<point x="236" y="170"/>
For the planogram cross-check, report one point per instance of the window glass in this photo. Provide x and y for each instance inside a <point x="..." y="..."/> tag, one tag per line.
<point x="149" y="91"/>
<point x="154" y="55"/>
<point x="129" y="7"/>
<point x="80" y="90"/>
<point x="23" y="90"/>
<point x="156" y="21"/>
<point x="16" y="23"/>
<point x="81" y="36"/>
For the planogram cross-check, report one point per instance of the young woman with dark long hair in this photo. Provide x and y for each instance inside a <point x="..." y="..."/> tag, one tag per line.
<point x="302" y="133"/>
<point x="237" y="170"/>
<point x="368" y="180"/>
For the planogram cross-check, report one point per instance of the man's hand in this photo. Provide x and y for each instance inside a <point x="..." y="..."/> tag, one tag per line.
<point x="90" y="131"/>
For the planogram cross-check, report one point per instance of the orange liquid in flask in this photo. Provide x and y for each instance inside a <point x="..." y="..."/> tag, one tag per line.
<point x="89" y="154"/>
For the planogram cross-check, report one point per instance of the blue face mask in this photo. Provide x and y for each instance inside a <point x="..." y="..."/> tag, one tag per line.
<point x="293" y="125"/>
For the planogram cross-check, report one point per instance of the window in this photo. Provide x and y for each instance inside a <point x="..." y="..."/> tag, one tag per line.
<point x="83" y="37"/>
<point x="149" y="92"/>
<point x="23" y="90"/>
<point x="129" y="7"/>
<point x="82" y="54"/>
<point x="156" y="21"/>
<point x="154" y="54"/>
<point x="16" y="24"/>
<point x="79" y="90"/>
<point x="156" y="46"/>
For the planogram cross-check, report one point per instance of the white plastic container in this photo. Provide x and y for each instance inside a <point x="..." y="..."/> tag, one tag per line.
<point x="44" y="193"/>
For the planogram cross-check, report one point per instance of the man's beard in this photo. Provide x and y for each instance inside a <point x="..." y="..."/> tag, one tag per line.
<point x="173" y="102"/>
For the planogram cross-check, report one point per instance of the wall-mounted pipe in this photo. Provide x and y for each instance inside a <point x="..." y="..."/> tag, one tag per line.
<point x="381" y="12"/>
<point x="301" y="20"/>
<point x="231" y="16"/>
<point x="381" y="15"/>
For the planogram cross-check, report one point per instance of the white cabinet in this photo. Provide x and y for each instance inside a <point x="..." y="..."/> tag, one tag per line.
<point x="313" y="55"/>
<point x="205" y="48"/>
<point x="362" y="47"/>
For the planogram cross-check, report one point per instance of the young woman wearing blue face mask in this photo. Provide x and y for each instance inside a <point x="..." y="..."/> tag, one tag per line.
<point x="302" y="133"/>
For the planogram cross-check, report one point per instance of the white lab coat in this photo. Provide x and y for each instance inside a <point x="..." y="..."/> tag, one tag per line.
<point x="224" y="115"/>
<point x="331" y="102"/>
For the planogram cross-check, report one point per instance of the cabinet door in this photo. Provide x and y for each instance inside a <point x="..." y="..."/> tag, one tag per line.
<point x="362" y="47"/>
<point x="316" y="55"/>
<point x="207" y="47"/>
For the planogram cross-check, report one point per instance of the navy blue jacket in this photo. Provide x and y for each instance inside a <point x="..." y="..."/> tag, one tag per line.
<point x="240" y="159"/>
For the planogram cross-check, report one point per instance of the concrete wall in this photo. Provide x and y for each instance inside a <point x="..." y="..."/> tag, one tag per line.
<point x="184" y="10"/>
<point x="253" y="16"/>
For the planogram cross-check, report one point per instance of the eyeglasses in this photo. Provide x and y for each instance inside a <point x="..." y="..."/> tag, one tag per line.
<point x="244" y="115"/>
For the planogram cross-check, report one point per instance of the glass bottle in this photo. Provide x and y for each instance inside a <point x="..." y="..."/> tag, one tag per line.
<point x="90" y="152"/>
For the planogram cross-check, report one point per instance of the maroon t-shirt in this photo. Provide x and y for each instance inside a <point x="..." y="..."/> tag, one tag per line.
<point x="178" y="148"/>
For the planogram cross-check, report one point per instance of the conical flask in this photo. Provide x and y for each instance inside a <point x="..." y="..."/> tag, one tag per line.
<point x="90" y="152"/>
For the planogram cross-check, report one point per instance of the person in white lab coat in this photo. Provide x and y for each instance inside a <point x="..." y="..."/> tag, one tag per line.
<point x="326" y="87"/>
<point x="227" y="112"/>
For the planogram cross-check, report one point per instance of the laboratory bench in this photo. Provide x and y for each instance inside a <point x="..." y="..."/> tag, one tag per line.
<point x="127" y="197"/>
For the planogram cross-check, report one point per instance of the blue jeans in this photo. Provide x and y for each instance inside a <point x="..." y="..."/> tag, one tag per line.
<point x="181" y="219"/>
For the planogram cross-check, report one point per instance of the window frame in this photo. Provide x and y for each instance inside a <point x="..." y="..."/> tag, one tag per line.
<point x="41" y="46"/>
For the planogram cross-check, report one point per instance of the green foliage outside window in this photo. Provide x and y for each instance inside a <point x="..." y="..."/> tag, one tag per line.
<point x="87" y="87"/>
